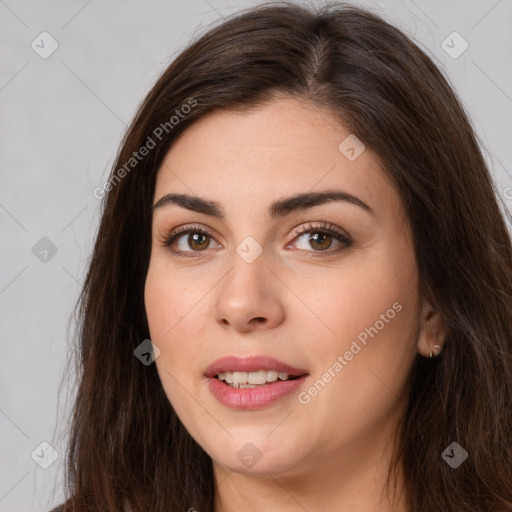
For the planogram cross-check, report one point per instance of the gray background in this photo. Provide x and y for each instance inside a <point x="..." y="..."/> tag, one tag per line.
<point x="61" y="120"/>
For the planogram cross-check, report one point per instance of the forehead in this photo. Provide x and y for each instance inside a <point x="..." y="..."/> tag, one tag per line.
<point x="284" y="147"/>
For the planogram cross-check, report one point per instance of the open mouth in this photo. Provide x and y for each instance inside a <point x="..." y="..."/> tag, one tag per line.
<point x="254" y="379"/>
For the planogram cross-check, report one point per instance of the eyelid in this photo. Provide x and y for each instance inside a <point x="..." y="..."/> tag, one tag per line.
<point x="322" y="226"/>
<point x="190" y="227"/>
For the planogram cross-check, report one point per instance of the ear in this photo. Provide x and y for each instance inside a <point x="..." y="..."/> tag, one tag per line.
<point x="433" y="330"/>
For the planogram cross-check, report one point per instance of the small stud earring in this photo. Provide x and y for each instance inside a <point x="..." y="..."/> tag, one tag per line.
<point x="435" y="346"/>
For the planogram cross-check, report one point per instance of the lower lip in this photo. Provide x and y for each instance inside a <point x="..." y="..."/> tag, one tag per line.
<point x="248" y="399"/>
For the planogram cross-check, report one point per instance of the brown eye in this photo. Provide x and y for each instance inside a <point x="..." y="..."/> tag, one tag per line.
<point x="187" y="240"/>
<point x="320" y="240"/>
<point x="198" y="241"/>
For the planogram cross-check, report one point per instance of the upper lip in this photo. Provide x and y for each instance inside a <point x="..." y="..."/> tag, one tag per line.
<point x="251" y="364"/>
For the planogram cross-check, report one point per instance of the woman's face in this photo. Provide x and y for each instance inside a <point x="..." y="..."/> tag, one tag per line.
<point x="326" y="286"/>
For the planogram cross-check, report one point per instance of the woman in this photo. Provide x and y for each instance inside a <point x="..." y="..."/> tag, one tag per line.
<point x="301" y="221"/>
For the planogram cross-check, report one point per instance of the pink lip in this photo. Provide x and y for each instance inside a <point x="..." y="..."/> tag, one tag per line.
<point x="249" y="399"/>
<point x="251" y="364"/>
<point x="252" y="398"/>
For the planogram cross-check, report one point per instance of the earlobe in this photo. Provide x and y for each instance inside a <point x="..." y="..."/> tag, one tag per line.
<point x="432" y="331"/>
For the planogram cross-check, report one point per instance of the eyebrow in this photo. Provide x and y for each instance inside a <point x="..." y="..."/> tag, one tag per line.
<point x="277" y="209"/>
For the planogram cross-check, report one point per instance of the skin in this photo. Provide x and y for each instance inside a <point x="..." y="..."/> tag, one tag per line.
<point x="334" y="451"/>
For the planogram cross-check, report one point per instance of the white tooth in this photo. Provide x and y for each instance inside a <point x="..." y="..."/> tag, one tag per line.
<point x="239" y="377"/>
<point x="272" y="375"/>
<point x="259" y="377"/>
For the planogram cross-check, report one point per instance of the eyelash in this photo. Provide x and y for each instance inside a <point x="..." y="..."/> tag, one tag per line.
<point x="323" y="228"/>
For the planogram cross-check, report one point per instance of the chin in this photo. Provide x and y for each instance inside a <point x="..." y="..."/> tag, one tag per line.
<point x="256" y="457"/>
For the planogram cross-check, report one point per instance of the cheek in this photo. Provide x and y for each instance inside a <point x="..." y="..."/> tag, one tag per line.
<point x="155" y="294"/>
<point x="370" y="315"/>
<point x="167" y="299"/>
<point x="374" y="291"/>
<point x="373" y="313"/>
<point x="173" y="307"/>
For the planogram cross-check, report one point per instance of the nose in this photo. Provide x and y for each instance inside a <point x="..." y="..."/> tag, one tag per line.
<point x="249" y="296"/>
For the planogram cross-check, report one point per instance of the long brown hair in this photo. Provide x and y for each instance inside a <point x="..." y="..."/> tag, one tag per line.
<point x="126" y="444"/>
